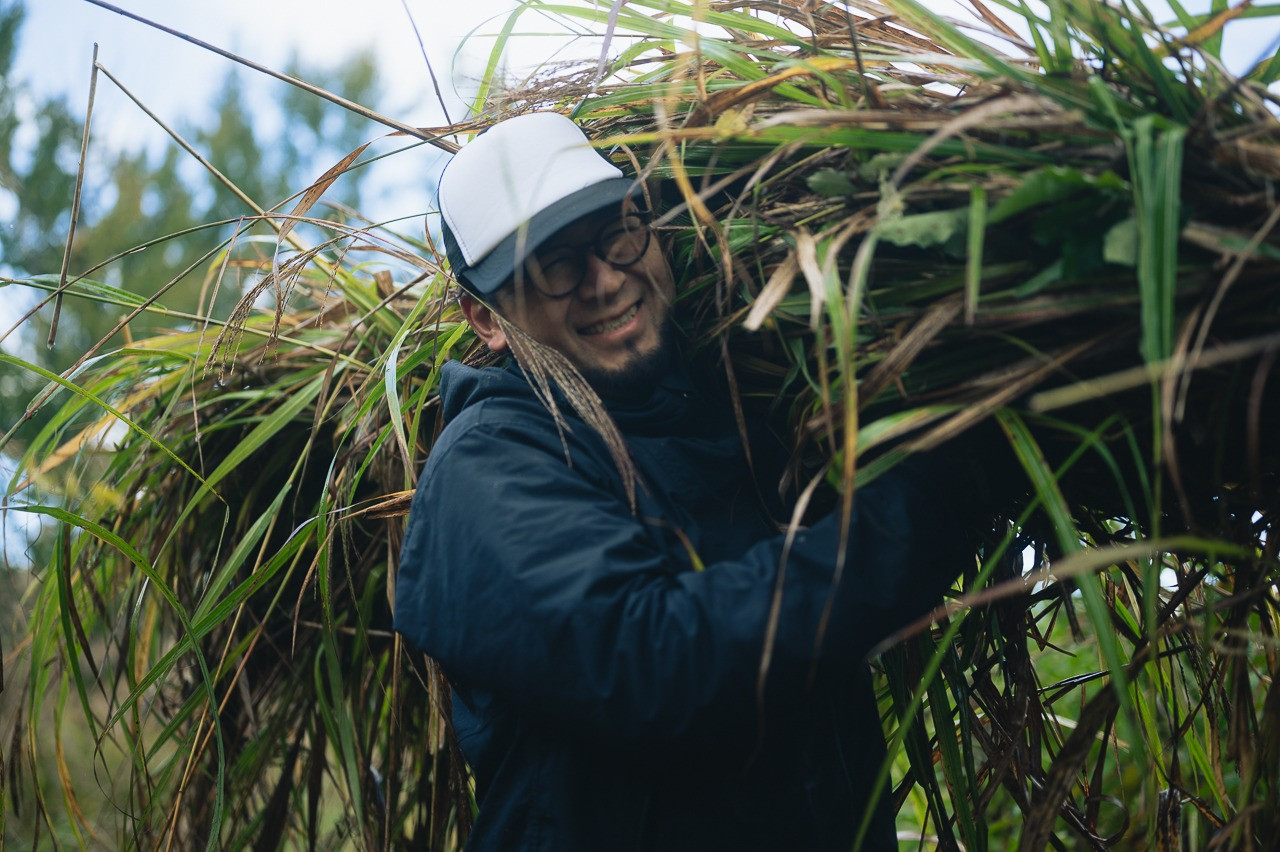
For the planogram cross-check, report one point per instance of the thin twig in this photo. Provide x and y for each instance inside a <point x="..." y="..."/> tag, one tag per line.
<point x="346" y="104"/>
<point x="1237" y="266"/>
<point x="190" y="149"/>
<point x="75" y="201"/>
<point x="606" y="41"/>
<point x="431" y="71"/>
<point x="1144" y="374"/>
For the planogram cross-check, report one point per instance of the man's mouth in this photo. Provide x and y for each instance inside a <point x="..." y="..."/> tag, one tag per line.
<point x="606" y="326"/>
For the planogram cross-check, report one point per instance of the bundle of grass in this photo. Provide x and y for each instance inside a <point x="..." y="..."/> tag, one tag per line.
<point x="212" y="638"/>
<point x="888" y="232"/>
<point x="1081" y="241"/>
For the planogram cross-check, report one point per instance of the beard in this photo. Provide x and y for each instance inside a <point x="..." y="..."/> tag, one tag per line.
<point x="643" y="372"/>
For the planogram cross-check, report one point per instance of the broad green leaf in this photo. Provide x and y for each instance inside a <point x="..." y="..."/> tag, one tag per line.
<point x="831" y="182"/>
<point x="1051" y="185"/>
<point x="924" y="230"/>
<point x="1121" y="244"/>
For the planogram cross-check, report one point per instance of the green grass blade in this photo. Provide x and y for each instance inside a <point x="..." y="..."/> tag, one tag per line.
<point x="143" y="565"/>
<point x="6" y="358"/>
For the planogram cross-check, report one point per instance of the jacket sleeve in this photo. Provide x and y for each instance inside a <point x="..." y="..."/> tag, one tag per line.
<point x="525" y="579"/>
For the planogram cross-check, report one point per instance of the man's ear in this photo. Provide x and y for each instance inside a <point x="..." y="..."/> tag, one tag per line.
<point x="484" y="321"/>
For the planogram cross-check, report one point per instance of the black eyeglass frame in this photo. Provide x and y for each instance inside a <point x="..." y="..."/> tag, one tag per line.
<point x="594" y="247"/>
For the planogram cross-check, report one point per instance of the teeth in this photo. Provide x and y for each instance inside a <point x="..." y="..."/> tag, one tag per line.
<point x="613" y="324"/>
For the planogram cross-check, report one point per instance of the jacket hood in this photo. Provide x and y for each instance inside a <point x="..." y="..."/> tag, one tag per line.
<point x="462" y="386"/>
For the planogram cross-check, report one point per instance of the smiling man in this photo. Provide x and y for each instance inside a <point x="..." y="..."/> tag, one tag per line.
<point x="649" y="669"/>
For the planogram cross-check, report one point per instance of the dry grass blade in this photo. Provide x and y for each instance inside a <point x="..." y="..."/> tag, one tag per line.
<point x="775" y="290"/>
<point x="1038" y="827"/>
<point x="550" y="373"/>
<point x="806" y="258"/>
<point x="939" y="317"/>
<point x="314" y="192"/>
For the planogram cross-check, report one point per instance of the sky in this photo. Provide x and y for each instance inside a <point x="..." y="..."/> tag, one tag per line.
<point x="174" y="77"/>
<point x="178" y="80"/>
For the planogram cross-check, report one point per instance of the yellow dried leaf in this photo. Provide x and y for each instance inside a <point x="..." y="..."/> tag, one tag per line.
<point x="775" y="290"/>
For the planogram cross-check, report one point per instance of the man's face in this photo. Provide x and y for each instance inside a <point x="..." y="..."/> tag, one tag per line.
<point x="613" y="326"/>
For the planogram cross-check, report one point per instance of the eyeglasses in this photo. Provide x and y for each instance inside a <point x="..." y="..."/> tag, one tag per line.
<point x="558" y="272"/>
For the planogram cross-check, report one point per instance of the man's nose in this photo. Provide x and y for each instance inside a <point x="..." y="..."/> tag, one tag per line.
<point x="601" y="279"/>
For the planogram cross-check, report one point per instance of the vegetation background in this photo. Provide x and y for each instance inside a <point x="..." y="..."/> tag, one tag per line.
<point x="920" y="229"/>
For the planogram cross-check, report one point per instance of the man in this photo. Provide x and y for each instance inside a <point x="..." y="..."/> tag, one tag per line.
<point x="673" y="675"/>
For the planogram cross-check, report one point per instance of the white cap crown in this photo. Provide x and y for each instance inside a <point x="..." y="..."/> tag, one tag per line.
<point x="498" y="182"/>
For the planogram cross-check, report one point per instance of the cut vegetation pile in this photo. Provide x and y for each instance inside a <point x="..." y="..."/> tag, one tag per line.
<point x="888" y="231"/>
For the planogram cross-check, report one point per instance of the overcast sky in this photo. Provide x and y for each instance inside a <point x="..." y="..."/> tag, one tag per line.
<point x="178" y="80"/>
<point x="173" y="76"/>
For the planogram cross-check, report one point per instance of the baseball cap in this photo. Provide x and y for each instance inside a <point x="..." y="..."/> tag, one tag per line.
<point x="514" y="186"/>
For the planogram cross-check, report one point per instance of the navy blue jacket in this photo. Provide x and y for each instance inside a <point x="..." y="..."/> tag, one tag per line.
<point x="606" y="666"/>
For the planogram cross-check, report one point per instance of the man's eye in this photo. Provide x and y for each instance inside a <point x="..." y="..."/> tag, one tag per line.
<point x="622" y="243"/>
<point x="556" y="262"/>
<point x="626" y="229"/>
<point x="616" y="241"/>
